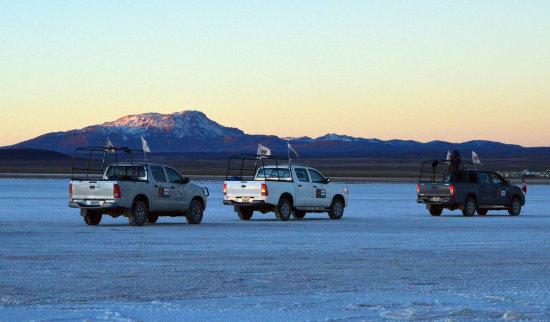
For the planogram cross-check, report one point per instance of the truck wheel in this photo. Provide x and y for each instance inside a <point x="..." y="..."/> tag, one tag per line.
<point x="336" y="209"/>
<point x="91" y="217"/>
<point x="469" y="207"/>
<point x="151" y="219"/>
<point x="482" y="212"/>
<point x="436" y="210"/>
<point x="284" y="210"/>
<point x="138" y="214"/>
<point x="194" y="214"/>
<point x="245" y="213"/>
<point x="515" y="208"/>
<point x="299" y="214"/>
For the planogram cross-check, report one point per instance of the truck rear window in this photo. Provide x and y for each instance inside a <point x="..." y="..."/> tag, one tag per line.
<point x="125" y="173"/>
<point x="461" y="176"/>
<point x="273" y="174"/>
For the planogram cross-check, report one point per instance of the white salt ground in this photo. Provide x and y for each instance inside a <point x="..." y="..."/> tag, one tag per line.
<point x="386" y="259"/>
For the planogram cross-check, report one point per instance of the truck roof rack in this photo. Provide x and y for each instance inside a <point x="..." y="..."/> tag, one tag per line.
<point x="95" y="167"/>
<point x="250" y="156"/>
<point x="436" y="170"/>
<point x="248" y="169"/>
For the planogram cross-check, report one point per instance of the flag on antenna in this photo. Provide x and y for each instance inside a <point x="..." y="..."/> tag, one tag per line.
<point x="263" y="150"/>
<point x="524" y="187"/>
<point x="145" y="145"/>
<point x="109" y="146"/>
<point x="292" y="149"/>
<point x="475" y="158"/>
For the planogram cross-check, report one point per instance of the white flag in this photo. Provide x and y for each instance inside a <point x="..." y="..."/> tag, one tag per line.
<point x="263" y="151"/>
<point x="145" y="145"/>
<point x="448" y="155"/>
<point x="291" y="149"/>
<point x="109" y="146"/>
<point x="475" y="158"/>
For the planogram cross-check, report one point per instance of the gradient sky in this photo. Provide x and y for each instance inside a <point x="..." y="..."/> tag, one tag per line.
<point x="422" y="70"/>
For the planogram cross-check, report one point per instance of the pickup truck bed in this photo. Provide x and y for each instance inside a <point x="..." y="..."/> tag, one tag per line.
<point x="104" y="194"/>
<point x="250" y="191"/>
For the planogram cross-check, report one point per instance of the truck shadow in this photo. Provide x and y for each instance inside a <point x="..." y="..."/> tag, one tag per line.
<point x="291" y="220"/>
<point x="476" y="216"/>
<point x="167" y="224"/>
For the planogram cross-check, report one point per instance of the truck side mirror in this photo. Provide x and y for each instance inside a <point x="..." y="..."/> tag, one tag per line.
<point x="185" y="180"/>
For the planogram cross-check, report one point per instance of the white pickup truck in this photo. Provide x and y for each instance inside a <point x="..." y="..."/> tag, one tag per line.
<point x="286" y="190"/>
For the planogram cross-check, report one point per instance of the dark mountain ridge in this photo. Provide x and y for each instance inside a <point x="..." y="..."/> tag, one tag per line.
<point x="193" y="132"/>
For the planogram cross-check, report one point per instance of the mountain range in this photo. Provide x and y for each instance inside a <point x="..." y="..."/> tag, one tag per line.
<point x="193" y="131"/>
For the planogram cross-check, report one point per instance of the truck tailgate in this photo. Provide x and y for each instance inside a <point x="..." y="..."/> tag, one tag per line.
<point x="244" y="188"/>
<point x="92" y="189"/>
<point x="435" y="189"/>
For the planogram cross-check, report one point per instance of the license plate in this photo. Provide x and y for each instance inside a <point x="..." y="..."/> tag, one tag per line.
<point x="436" y="199"/>
<point x="92" y="202"/>
<point x="246" y="199"/>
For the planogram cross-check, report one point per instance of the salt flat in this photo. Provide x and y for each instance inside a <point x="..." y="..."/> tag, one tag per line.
<point x="386" y="259"/>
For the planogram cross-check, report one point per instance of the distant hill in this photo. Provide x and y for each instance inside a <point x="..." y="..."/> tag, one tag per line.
<point x="31" y="155"/>
<point x="192" y="132"/>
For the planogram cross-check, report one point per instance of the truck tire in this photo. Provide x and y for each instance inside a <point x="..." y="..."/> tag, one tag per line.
<point x="515" y="207"/>
<point x="336" y="209"/>
<point x="245" y="213"/>
<point x="151" y="219"/>
<point x="138" y="214"/>
<point x="91" y="218"/>
<point x="283" y="210"/>
<point x="469" y="207"/>
<point x="194" y="214"/>
<point x="482" y="212"/>
<point x="299" y="214"/>
<point x="436" y="210"/>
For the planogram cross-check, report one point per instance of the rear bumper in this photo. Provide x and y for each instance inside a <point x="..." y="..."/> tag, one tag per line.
<point x="251" y="203"/>
<point x="442" y="201"/>
<point x="88" y="204"/>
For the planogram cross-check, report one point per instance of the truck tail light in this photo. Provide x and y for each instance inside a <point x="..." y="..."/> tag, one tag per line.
<point x="452" y="191"/>
<point x="264" y="190"/>
<point x="116" y="191"/>
<point x="70" y="190"/>
<point x="418" y="189"/>
<point x="225" y="189"/>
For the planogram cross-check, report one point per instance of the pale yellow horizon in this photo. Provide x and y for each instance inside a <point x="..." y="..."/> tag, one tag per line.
<point x="423" y="70"/>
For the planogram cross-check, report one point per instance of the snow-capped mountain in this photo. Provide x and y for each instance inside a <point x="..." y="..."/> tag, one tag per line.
<point x="332" y="137"/>
<point x="336" y="137"/>
<point x="180" y="124"/>
<point x="344" y="138"/>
